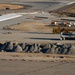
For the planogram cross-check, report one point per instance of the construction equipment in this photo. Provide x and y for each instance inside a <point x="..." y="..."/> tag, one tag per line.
<point x="63" y="29"/>
<point x="70" y="35"/>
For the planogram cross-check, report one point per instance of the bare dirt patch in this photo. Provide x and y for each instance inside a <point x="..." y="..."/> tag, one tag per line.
<point x="36" y="57"/>
<point x="68" y="10"/>
<point x="30" y="26"/>
<point x="10" y="6"/>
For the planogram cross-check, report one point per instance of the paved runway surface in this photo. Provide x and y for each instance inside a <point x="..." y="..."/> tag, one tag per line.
<point x="36" y="68"/>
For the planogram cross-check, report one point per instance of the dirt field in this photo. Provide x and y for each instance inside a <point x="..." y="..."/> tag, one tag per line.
<point x="36" y="57"/>
<point x="71" y="9"/>
<point x="68" y="10"/>
<point x="30" y="27"/>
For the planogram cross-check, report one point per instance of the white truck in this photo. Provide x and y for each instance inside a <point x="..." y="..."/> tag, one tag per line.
<point x="64" y="36"/>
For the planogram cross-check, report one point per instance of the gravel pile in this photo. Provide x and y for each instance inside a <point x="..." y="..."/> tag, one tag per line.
<point x="50" y="48"/>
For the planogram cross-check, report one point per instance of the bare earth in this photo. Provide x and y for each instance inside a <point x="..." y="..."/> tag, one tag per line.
<point x="30" y="27"/>
<point x="37" y="57"/>
<point x="27" y="63"/>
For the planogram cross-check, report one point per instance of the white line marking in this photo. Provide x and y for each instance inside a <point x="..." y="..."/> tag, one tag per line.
<point x="70" y="3"/>
<point x="28" y="13"/>
<point x="14" y="15"/>
<point x="9" y="16"/>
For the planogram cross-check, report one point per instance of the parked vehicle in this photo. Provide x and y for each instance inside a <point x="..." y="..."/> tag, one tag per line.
<point x="64" y="36"/>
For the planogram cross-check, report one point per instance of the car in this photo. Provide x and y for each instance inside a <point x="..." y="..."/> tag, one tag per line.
<point x="70" y="35"/>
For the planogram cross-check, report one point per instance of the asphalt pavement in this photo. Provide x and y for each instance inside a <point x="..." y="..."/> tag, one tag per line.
<point x="36" y="68"/>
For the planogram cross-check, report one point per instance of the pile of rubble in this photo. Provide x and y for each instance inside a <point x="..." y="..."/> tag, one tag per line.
<point x="50" y="48"/>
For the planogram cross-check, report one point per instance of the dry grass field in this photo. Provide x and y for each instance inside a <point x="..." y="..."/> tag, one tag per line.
<point x="10" y="6"/>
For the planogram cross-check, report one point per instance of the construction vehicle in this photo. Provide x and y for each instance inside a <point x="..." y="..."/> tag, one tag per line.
<point x="70" y="35"/>
<point x="63" y="29"/>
